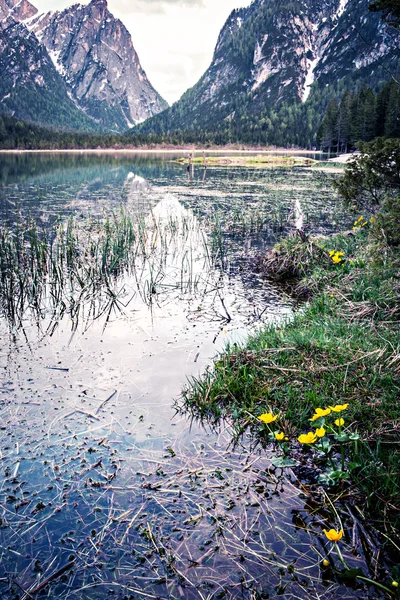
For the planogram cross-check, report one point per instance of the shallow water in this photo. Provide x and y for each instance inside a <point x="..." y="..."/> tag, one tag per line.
<point x="96" y="467"/>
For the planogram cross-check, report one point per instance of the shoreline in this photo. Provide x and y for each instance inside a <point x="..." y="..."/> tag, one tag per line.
<point x="214" y="150"/>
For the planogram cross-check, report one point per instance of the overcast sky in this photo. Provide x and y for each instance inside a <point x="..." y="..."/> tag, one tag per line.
<point x="174" y="39"/>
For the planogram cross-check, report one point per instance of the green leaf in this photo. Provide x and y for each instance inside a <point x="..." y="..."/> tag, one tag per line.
<point x="342" y="437"/>
<point x="353" y="465"/>
<point x="283" y="461"/>
<point x="324" y="445"/>
<point x="319" y="422"/>
<point x="325" y="479"/>
<point x="349" y="574"/>
<point x="331" y="477"/>
<point x="354" y="436"/>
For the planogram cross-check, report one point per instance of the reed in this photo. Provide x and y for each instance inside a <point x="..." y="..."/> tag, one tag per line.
<point x="50" y="273"/>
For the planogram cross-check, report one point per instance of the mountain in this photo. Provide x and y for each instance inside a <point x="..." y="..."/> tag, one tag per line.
<point x="90" y="51"/>
<point x="94" y="53"/>
<point x="19" y="10"/>
<point x="275" y="67"/>
<point x="30" y="86"/>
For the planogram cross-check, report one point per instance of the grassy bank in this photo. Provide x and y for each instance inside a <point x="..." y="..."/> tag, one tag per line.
<point x="342" y="348"/>
<point x="260" y="160"/>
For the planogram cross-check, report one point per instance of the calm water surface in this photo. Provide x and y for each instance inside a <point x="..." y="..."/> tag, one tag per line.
<point x="105" y="490"/>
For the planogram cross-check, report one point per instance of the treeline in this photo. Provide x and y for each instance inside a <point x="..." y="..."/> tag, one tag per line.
<point x="357" y="116"/>
<point x="16" y="134"/>
<point x="253" y="121"/>
<point x="360" y="117"/>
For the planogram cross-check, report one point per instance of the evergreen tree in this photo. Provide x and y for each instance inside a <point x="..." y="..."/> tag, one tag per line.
<point x="382" y="102"/>
<point x="3" y="131"/>
<point x="390" y="11"/>
<point x="330" y="126"/>
<point x="392" y="117"/>
<point x="343" y="126"/>
<point x="366" y="114"/>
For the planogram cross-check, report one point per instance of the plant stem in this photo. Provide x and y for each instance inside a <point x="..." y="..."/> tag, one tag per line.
<point x="379" y="585"/>
<point x="340" y="555"/>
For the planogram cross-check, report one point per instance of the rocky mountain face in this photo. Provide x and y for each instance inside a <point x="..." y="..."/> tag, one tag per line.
<point x="92" y="53"/>
<point x="288" y="52"/>
<point x="30" y="86"/>
<point x="19" y="10"/>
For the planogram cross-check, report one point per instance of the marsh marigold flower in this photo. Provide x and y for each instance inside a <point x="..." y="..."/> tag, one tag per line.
<point x="333" y="535"/>
<point x="267" y="418"/>
<point x="320" y="432"/>
<point x="338" y="407"/>
<point x="279" y="436"/>
<point x="320" y="412"/>
<point x="339" y="422"/>
<point x="307" y="438"/>
<point x="395" y="584"/>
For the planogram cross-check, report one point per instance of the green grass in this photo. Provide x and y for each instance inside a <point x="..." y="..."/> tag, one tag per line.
<point x="343" y="347"/>
<point x="259" y="160"/>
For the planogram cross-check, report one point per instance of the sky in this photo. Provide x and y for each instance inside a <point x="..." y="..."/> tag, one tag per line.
<point x="174" y="39"/>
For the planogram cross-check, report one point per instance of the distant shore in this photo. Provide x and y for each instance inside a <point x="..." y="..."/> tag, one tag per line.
<point x="167" y="150"/>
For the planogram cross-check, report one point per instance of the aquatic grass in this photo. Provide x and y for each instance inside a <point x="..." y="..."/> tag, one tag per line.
<point x="82" y="262"/>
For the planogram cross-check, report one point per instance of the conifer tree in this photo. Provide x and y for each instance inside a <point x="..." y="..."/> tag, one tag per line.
<point x="366" y="114"/>
<point x="329" y="126"/>
<point x="3" y="131"/>
<point x="392" y="117"/>
<point x="382" y="102"/>
<point x="390" y="11"/>
<point x="343" y="126"/>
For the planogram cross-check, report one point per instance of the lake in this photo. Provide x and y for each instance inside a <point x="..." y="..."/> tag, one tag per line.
<point x="108" y="490"/>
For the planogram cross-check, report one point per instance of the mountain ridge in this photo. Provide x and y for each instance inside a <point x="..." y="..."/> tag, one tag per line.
<point x="278" y="57"/>
<point x="93" y="53"/>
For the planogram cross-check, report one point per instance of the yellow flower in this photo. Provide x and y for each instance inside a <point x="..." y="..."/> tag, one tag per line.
<point x="268" y="418"/>
<point x="320" y="432"/>
<point x="339" y="422"/>
<point x="395" y="584"/>
<point x="333" y="535"/>
<point x="336" y="259"/>
<point x="320" y="412"/>
<point x="331" y="253"/>
<point x="338" y="407"/>
<point x="279" y="436"/>
<point x="373" y="219"/>
<point x="307" y="438"/>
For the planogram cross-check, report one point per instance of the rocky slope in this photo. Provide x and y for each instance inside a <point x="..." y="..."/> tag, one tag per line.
<point x="287" y="52"/>
<point x="30" y="86"/>
<point x="93" y="54"/>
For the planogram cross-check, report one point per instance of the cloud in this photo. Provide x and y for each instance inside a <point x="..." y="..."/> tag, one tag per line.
<point x="175" y="39"/>
<point x="156" y="7"/>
